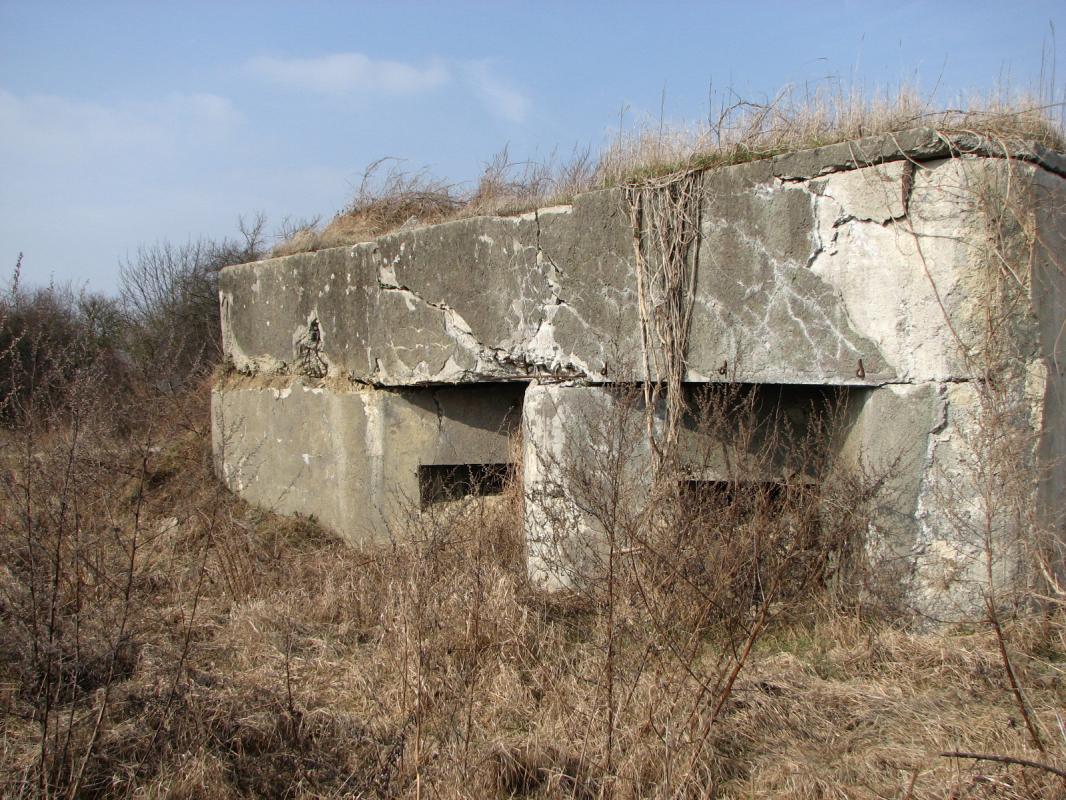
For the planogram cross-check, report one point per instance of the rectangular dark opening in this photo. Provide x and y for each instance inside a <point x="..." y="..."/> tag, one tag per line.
<point x="744" y="499"/>
<point x="440" y="483"/>
<point x="778" y="429"/>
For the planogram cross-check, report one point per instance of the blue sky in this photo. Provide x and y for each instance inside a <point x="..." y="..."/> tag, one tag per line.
<point x="128" y="123"/>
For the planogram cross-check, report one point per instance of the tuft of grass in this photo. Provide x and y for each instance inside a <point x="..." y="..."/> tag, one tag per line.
<point x="390" y="198"/>
<point x="387" y="199"/>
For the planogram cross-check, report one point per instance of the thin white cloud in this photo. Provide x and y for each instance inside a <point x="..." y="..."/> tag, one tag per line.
<point x="201" y="108"/>
<point x="341" y="73"/>
<point x="53" y="129"/>
<point x="499" y="97"/>
<point x="83" y="180"/>
<point x="357" y="73"/>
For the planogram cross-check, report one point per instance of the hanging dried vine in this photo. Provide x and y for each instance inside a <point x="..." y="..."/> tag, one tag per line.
<point x="665" y="219"/>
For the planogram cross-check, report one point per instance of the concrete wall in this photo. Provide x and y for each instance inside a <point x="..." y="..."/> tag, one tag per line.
<point x="349" y="455"/>
<point x="871" y="265"/>
<point x="587" y="463"/>
<point x="807" y="264"/>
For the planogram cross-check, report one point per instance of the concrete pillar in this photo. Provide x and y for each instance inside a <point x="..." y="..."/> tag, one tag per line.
<point x="586" y="467"/>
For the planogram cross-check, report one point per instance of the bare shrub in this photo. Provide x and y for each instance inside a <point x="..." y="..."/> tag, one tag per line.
<point x="261" y="657"/>
<point x="169" y="295"/>
<point x="61" y="552"/>
<point x="50" y="337"/>
<point x="683" y="570"/>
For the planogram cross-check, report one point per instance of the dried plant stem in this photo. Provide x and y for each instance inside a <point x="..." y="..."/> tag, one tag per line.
<point x="1023" y="762"/>
<point x="665" y="219"/>
<point x="1024" y="708"/>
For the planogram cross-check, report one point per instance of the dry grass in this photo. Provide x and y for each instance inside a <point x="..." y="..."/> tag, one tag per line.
<point x="391" y="198"/>
<point x="743" y="131"/>
<point x="262" y="658"/>
<point x="387" y="199"/>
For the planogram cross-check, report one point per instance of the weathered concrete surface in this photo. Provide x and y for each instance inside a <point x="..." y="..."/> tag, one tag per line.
<point x="471" y="300"/>
<point x="587" y="463"/>
<point x="551" y="294"/>
<point x="946" y="508"/>
<point x="917" y="145"/>
<point x="576" y="440"/>
<point x="1048" y="293"/>
<point x="799" y="279"/>
<point x="761" y="312"/>
<point x="922" y="274"/>
<point x="295" y="447"/>
<point x="349" y="456"/>
<point x="892" y="438"/>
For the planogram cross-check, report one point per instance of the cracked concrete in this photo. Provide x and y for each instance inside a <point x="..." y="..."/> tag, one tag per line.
<point x="798" y="280"/>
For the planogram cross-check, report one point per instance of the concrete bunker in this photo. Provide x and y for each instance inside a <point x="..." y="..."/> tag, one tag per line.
<point x="370" y="382"/>
<point x="361" y="460"/>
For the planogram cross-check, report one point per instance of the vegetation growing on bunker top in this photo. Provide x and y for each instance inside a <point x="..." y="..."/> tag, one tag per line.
<point x="391" y="197"/>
